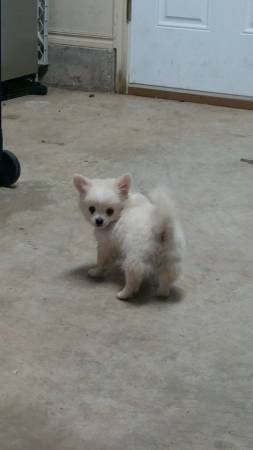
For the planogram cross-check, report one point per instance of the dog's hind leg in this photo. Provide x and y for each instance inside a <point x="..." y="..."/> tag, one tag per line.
<point x="167" y="275"/>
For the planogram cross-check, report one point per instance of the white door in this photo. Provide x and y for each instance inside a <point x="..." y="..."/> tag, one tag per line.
<point x="204" y="45"/>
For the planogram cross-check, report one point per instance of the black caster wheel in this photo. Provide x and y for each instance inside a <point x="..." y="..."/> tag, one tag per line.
<point x="9" y="168"/>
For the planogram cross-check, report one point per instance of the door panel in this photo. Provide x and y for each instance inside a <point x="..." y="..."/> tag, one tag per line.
<point x="249" y="18"/>
<point x="192" y="14"/>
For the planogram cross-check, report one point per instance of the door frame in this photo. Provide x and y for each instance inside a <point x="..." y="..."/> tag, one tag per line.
<point x="121" y="43"/>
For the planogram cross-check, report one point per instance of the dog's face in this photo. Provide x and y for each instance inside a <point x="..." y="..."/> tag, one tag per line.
<point x="101" y="201"/>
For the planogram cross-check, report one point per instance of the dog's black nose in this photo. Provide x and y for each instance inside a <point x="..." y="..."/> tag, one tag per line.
<point x="99" y="221"/>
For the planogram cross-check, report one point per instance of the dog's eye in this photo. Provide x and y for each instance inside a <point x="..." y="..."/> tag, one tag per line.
<point x="92" y="209"/>
<point x="109" y="212"/>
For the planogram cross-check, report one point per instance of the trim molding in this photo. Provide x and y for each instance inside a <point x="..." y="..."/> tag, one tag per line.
<point x="80" y="39"/>
<point x="228" y="101"/>
<point x="65" y="32"/>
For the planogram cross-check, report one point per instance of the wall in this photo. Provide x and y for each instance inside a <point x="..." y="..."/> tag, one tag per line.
<point x="83" y="38"/>
<point x="82" y="22"/>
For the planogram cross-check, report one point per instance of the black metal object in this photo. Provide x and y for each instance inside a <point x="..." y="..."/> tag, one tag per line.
<point x="9" y="164"/>
<point x="22" y="86"/>
<point x="9" y="168"/>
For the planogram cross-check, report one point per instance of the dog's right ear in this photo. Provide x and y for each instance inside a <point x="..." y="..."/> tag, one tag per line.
<point x="82" y="184"/>
<point x="124" y="183"/>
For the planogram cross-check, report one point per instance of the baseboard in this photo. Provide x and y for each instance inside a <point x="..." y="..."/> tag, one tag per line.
<point x="89" y="69"/>
<point x="62" y="37"/>
<point x="193" y="97"/>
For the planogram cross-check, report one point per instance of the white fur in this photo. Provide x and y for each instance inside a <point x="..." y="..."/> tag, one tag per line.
<point x="143" y="233"/>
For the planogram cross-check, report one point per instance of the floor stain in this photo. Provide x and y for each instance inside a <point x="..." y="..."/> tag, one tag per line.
<point x="249" y="161"/>
<point x="28" y="196"/>
<point x="11" y="116"/>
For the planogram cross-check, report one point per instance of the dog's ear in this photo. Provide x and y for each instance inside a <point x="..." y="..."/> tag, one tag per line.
<point x="82" y="184"/>
<point x="124" y="183"/>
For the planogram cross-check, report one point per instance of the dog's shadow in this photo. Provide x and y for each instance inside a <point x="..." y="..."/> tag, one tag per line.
<point x="147" y="293"/>
<point x="80" y="274"/>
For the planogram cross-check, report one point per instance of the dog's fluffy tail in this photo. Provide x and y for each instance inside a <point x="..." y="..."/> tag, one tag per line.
<point x="162" y="199"/>
<point x="166" y="226"/>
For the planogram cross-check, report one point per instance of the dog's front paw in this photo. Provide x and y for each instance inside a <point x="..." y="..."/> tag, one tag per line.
<point x="163" y="293"/>
<point x="95" y="272"/>
<point x="124" y="294"/>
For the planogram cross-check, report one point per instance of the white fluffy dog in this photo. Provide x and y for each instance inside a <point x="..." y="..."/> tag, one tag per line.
<point x="141" y="232"/>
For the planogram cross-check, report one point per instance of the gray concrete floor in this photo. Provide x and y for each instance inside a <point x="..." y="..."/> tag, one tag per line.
<point x="81" y="370"/>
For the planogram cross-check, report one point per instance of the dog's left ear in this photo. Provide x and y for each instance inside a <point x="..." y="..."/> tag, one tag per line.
<point x="124" y="183"/>
<point x="81" y="183"/>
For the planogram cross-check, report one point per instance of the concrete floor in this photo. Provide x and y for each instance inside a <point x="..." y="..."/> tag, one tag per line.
<point x="81" y="370"/>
